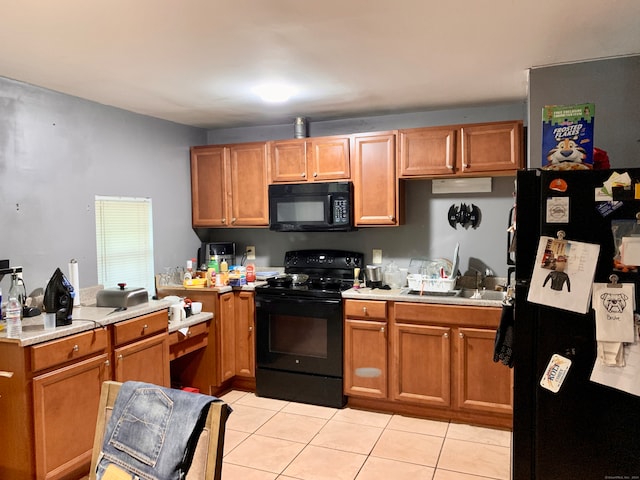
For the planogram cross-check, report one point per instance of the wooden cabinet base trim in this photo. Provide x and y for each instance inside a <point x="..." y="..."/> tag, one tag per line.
<point x="480" y="419"/>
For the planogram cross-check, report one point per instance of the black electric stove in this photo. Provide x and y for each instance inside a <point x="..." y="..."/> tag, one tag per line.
<point x="299" y="328"/>
<point x="330" y="272"/>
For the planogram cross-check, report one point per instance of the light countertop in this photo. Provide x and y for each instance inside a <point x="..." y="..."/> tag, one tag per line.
<point x="403" y="295"/>
<point x="84" y="318"/>
<point x="189" y="322"/>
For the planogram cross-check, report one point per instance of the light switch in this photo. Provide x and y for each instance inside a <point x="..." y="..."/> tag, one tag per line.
<point x="251" y="252"/>
<point x="377" y="255"/>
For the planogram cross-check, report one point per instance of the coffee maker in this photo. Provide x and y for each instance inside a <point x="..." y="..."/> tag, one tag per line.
<point x="58" y="298"/>
<point x="220" y="250"/>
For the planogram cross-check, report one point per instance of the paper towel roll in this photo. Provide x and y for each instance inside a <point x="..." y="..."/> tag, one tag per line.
<point x="75" y="281"/>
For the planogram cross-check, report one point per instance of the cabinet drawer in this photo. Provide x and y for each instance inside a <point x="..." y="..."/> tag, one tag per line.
<point x="197" y="337"/>
<point x="57" y="352"/>
<point x="447" y="314"/>
<point x="372" y="309"/>
<point x="140" y="327"/>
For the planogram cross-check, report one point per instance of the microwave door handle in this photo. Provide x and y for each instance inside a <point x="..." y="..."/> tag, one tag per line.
<point x="330" y="210"/>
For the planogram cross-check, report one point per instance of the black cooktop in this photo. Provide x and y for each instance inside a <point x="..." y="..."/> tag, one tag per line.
<point x="330" y="272"/>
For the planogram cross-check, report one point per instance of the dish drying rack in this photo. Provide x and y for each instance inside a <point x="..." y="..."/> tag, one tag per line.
<point x="427" y="275"/>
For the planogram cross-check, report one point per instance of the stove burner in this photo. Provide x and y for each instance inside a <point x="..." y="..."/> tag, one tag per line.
<point x="283" y="281"/>
<point x="326" y="283"/>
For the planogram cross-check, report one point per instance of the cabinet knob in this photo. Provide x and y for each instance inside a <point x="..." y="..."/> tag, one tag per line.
<point x="446" y="335"/>
<point x="461" y="335"/>
<point x="364" y="310"/>
<point x="392" y="218"/>
<point x="224" y="220"/>
<point x="251" y="329"/>
<point x="107" y="363"/>
<point x="303" y="174"/>
<point x="382" y="329"/>
<point x="76" y="348"/>
<point x="315" y="174"/>
<point x="120" y="357"/>
<point x="188" y="333"/>
<point x="145" y="326"/>
<point x="233" y="220"/>
<point x="465" y="165"/>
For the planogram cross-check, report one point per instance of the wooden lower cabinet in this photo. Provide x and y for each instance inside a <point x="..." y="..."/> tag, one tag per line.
<point x="141" y="349"/>
<point x="65" y="405"/>
<point x="365" y="344"/>
<point x="144" y="361"/>
<point x="421" y="369"/>
<point x="50" y="403"/>
<point x="245" y="314"/>
<point x="229" y="357"/>
<point x="366" y="348"/>
<point x="482" y="385"/>
<point x="436" y="361"/>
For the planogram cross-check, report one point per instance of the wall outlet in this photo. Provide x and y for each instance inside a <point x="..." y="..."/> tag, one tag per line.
<point x="377" y="255"/>
<point x="251" y="252"/>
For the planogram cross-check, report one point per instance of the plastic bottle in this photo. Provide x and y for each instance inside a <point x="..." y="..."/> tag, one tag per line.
<point x="14" y="310"/>
<point x="251" y="272"/>
<point x="224" y="272"/>
<point x="3" y="322"/>
<point x="211" y="272"/>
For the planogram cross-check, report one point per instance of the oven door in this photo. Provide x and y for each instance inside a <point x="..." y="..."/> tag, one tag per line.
<point x="302" y="335"/>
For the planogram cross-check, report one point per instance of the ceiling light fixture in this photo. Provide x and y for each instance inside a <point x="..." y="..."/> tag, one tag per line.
<point x="275" y="92"/>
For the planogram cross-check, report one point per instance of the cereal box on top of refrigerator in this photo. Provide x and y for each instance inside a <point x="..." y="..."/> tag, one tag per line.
<point x="567" y="137"/>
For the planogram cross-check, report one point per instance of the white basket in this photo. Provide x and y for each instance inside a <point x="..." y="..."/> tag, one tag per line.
<point x="422" y="283"/>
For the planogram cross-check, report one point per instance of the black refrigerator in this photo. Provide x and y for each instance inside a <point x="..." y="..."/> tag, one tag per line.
<point x="586" y="430"/>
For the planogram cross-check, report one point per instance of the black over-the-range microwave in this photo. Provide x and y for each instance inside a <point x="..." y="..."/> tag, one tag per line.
<point x="311" y="207"/>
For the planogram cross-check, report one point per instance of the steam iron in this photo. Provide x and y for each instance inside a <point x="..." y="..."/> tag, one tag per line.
<point x="58" y="298"/>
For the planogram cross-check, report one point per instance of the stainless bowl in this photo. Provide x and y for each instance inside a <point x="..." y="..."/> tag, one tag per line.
<point x="299" y="278"/>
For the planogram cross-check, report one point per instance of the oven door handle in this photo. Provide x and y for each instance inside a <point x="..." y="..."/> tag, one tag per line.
<point x="265" y="301"/>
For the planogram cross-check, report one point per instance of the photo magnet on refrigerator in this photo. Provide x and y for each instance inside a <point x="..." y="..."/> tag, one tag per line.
<point x="555" y="373"/>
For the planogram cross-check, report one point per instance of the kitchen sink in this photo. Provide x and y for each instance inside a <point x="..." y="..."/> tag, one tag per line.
<point x="483" y="294"/>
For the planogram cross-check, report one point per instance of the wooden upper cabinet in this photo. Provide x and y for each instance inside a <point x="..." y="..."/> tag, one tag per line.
<point x="375" y="189"/>
<point x="495" y="148"/>
<point x="427" y="151"/>
<point x="229" y="185"/>
<point x="249" y="185"/>
<point x="491" y="147"/>
<point x="328" y="158"/>
<point x="288" y="159"/>
<point x="208" y="190"/>
<point x="310" y="159"/>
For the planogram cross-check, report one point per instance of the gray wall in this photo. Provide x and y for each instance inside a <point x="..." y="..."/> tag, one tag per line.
<point x="426" y="233"/>
<point x="612" y="84"/>
<point x="57" y="152"/>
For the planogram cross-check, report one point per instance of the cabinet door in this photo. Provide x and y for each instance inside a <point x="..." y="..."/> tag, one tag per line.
<point x="288" y="161"/>
<point x="328" y="158"/>
<point x="491" y="147"/>
<point x="376" y="199"/>
<point x="427" y="152"/>
<point x="482" y="384"/>
<point x="65" y="403"/>
<point x="365" y="358"/>
<point x="245" y="334"/>
<point x="249" y="185"/>
<point x="209" y="200"/>
<point x="421" y="370"/>
<point x="144" y="361"/>
<point x="226" y="318"/>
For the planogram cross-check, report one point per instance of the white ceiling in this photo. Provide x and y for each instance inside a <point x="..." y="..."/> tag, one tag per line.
<point x="195" y="61"/>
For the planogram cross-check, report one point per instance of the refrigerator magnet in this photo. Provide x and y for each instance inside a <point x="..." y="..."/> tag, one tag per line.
<point x="558" y="210"/>
<point x="555" y="373"/>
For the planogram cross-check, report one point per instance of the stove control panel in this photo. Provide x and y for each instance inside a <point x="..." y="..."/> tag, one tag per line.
<point x="329" y="259"/>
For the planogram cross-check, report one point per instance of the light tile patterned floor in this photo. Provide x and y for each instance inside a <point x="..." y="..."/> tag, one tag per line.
<point x="269" y="439"/>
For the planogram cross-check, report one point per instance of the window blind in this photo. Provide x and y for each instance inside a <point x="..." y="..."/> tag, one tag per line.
<point x="124" y="237"/>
